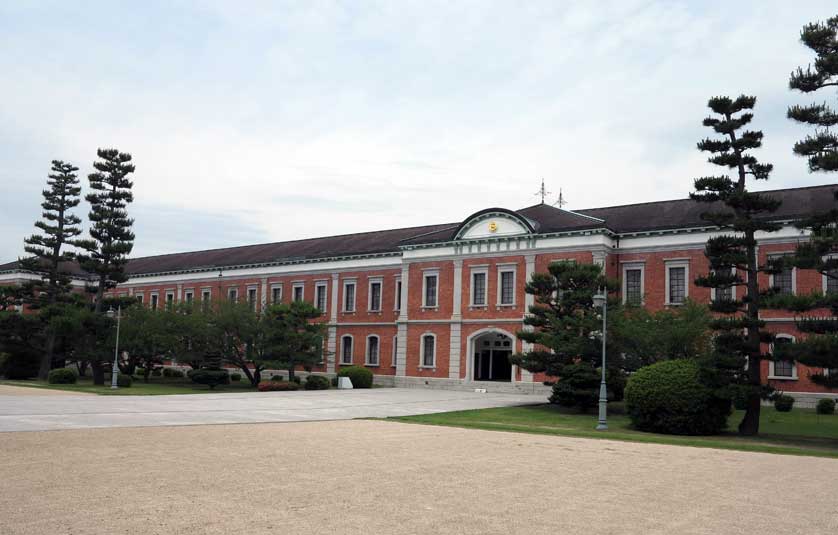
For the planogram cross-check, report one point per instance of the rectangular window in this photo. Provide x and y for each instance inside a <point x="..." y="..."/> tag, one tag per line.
<point x="170" y="300"/>
<point x="723" y="293"/>
<point x="349" y="297"/>
<point x="398" y="294"/>
<point x="320" y="296"/>
<point x="276" y="294"/>
<point x="372" y="351"/>
<point x="783" y="368"/>
<point x="205" y="296"/>
<point x="395" y="350"/>
<point x="507" y="288"/>
<point x="153" y="301"/>
<point x="783" y="281"/>
<point x="375" y="296"/>
<point x="251" y="298"/>
<point x="429" y="297"/>
<point x="633" y="286"/>
<point x="677" y="285"/>
<point x="233" y="295"/>
<point x="188" y="296"/>
<point x="428" y="350"/>
<point x="346" y="350"/>
<point x="139" y="298"/>
<point x="832" y="282"/>
<point x="478" y="288"/>
<point x="297" y="292"/>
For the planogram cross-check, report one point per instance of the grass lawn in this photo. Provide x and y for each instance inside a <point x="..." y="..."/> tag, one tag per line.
<point x="156" y="386"/>
<point x="800" y="432"/>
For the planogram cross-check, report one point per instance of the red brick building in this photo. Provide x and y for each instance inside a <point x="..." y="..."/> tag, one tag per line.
<point x="440" y="305"/>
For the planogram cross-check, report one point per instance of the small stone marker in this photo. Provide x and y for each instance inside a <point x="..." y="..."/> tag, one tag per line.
<point x="480" y="390"/>
<point x="344" y="383"/>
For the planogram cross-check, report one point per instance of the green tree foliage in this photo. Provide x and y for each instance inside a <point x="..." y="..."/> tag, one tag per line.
<point x="292" y="337"/>
<point x="820" y="148"/>
<point x="563" y="325"/>
<point x="646" y="337"/>
<point x="149" y="337"/>
<point x="732" y="255"/>
<point x="49" y="256"/>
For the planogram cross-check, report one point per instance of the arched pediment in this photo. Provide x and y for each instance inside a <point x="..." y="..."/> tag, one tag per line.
<point x="494" y="222"/>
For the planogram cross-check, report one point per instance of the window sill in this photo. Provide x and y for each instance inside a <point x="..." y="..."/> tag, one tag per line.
<point x="368" y="365"/>
<point x="430" y="308"/>
<point x="348" y="312"/>
<point x="478" y="307"/>
<point x="507" y="305"/>
<point x="674" y="304"/>
<point x="423" y="367"/>
<point x="376" y="312"/>
<point x="783" y="378"/>
<point x="345" y="364"/>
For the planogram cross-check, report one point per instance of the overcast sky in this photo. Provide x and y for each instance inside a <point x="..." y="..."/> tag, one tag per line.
<point x="264" y="121"/>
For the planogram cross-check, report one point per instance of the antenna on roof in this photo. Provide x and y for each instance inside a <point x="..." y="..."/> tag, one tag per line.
<point x="561" y="202"/>
<point x="542" y="192"/>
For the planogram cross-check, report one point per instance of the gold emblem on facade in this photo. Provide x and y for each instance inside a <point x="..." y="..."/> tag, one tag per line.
<point x="493" y="227"/>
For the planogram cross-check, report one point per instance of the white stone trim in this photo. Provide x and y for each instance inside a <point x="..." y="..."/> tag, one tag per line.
<point x="469" y="376"/>
<point x="274" y="287"/>
<point x="298" y="286"/>
<point x="631" y="266"/>
<point x="676" y="263"/>
<point x="367" y="361"/>
<point x="343" y="338"/>
<point x="425" y="275"/>
<point x="344" y="302"/>
<point x="479" y="270"/>
<point x="507" y="268"/>
<point x="380" y="281"/>
<point x="771" y="374"/>
<point x="422" y="350"/>
<point x="324" y="287"/>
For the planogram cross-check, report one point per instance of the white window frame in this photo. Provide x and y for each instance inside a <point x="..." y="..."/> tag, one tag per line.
<point x="367" y="361"/>
<point x="793" y="376"/>
<point x="154" y="300"/>
<point x="274" y="288"/>
<point x="234" y="293"/>
<point x="140" y="298"/>
<point x="397" y="299"/>
<point x="380" y="282"/>
<point x="169" y="300"/>
<point x="254" y="303"/>
<point x="298" y="286"/>
<point x="824" y="278"/>
<point x="677" y="263"/>
<point x="793" y="271"/>
<point x="354" y="284"/>
<point x="206" y="295"/>
<point x="507" y="268"/>
<point x="324" y="287"/>
<point x="732" y="289"/>
<point x="479" y="270"/>
<point x="635" y="266"/>
<point x="351" y="349"/>
<point x="189" y="296"/>
<point x="425" y="275"/>
<point x="395" y="351"/>
<point x="422" y="351"/>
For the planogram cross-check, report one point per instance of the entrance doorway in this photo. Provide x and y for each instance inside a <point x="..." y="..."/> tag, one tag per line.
<point x="491" y="357"/>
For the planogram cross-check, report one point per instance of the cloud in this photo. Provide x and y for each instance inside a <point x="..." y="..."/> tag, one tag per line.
<point x="267" y="121"/>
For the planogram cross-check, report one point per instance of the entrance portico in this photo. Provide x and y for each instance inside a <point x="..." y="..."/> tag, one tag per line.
<point x="488" y="356"/>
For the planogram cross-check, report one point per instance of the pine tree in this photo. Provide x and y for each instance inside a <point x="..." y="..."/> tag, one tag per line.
<point x="820" y="148"/>
<point x="732" y="255"/>
<point x="110" y="227"/>
<point x="58" y="228"/>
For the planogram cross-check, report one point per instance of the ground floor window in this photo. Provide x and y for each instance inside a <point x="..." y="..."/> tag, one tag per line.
<point x="372" y="350"/>
<point x="429" y="351"/>
<point x="346" y="350"/>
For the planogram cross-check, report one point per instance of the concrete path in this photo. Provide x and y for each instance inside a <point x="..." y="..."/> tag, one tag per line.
<point x="9" y="390"/>
<point x="43" y="413"/>
<point x="367" y="477"/>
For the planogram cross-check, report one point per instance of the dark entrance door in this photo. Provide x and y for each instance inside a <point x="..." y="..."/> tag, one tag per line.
<point x="492" y="365"/>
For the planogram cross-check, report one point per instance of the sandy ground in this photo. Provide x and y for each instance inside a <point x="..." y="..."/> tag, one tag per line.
<point x="360" y="477"/>
<point x="9" y="390"/>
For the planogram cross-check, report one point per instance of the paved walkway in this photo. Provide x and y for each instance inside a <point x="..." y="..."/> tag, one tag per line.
<point x="42" y="413"/>
<point x="367" y="477"/>
<point x="9" y="390"/>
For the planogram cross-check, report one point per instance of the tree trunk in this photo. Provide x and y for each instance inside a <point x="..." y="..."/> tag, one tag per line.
<point x="98" y="373"/>
<point x="46" y="357"/>
<point x="750" y="423"/>
<point x="82" y="367"/>
<point x="257" y="376"/>
<point x="291" y="374"/>
<point x="249" y="375"/>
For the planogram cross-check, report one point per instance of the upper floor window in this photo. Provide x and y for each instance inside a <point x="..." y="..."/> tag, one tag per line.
<point x="233" y="295"/>
<point x="478" y="288"/>
<point x="297" y="292"/>
<point x="783" y="281"/>
<point x="346" y="350"/>
<point x="724" y="293"/>
<point x="205" y="296"/>
<point x="251" y="298"/>
<point x="372" y="350"/>
<point x="506" y="287"/>
<point x="170" y="300"/>
<point x="320" y="296"/>
<point x="633" y="285"/>
<point x="782" y="369"/>
<point x="677" y="290"/>
<point x="831" y="282"/>
<point x="398" y="294"/>
<point x="349" y="296"/>
<point x="429" y="290"/>
<point x="188" y="296"/>
<point x="429" y="351"/>
<point x="139" y="298"/>
<point x="276" y="294"/>
<point x="153" y="301"/>
<point x="395" y="351"/>
<point x="375" y="295"/>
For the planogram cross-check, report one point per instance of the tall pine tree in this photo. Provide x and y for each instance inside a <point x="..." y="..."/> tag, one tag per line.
<point x="733" y="255"/>
<point x="110" y="227"/>
<point x="58" y="228"/>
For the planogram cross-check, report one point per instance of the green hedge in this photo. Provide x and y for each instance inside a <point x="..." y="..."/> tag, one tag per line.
<point x="672" y="397"/>
<point x="783" y="403"/>
<point x="210" y="376"/>
<point x="317" y="382"/>
<point x="124" y="380"/>
<point x="360" y="377"/>
<point x="277" y="386"/>
<point x="62" y="376"/>
<point x="826" y="406"/>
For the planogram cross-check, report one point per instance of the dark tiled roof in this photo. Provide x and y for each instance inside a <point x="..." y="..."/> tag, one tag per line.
<point x="659" y="215"/>
<point x="68" y="267"/>
<point x="682" y="213"/>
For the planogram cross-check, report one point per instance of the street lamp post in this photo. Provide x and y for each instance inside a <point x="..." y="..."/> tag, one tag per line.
<point x="115" y="370"/>
<point x="601" y="301"/>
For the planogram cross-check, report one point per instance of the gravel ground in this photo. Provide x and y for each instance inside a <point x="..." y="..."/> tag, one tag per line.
<point x="362" y="477"/>
<point x="9" y="390"/>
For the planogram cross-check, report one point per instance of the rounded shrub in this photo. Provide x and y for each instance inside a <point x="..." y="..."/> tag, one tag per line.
<point x="826" y="406"/>
<point x="211" y="377"/>
<point x="156" y="372"/>
<point x="172" y="373"/>
<point x="296" y="379"/>
<point x="139" y="371"/>
<point x="360" y="377"/>
<point x="277" y="386"/>
<point x="672" y="397"/>
<point x="124" y="380"/>
<point x="62" y="376"/>
<point x="277" y="378"/>
<point x="317" y="382"/>
<point x="578" y="387"/>
<point x="235" y="376"/>
<point x="783" y="403"/>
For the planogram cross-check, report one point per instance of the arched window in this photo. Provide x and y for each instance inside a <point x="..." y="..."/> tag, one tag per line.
<point x="428" y="350"/>
<point x="346" y="350"/>
<point x="782" y="369"/>
<point x="372" y="350"/>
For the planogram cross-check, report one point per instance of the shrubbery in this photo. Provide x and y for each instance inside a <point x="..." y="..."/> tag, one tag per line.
<point x="277" y="386"/>
<point x="139" y="371"/>
<point x="156" y="372"/>
<point x="317" y="382"/>
<point x="62" y="376"/>
<point x="124" y="380"/>
<point x="277" y="378"/>
<point x="578" y="387"/>
<point x="211" y="377"/>
<point x="783" y="403"/>
<point x="235" y="376"/>
<point x="19" y="365"/>
<point x="826" y="406"/>
<point x="672" y="397"/>
<point x="360" y="377"/>
<point x="296" y="379"/>
<point x="172" y="372"/>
